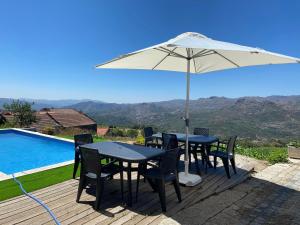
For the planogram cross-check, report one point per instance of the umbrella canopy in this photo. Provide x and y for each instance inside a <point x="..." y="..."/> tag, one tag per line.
<point x="195" y="53"/>
<point x="207" y="55"/>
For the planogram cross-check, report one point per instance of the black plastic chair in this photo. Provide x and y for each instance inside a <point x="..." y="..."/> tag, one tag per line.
<point x="169" y="141"/>
<point x="150" y="141"/>
<point x="165" y="173"/>
<point x="94" y="173"/>
<point x="201" y="131"/>
<point x="80" y="139"/>
<point x="225" y="151"/>
<point x="195" y="149"/>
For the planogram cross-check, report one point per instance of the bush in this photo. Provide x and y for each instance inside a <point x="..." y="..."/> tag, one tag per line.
<point x="6" y="125"/>
<point x="132" y="133"/>
<point x="48" y="130"/>
<point x="295" y="144"/>
<point x="140" y="140"/>
<point x="73" y="131"/>
<point x="116" y="132"/>
<point x="123" y="132"/>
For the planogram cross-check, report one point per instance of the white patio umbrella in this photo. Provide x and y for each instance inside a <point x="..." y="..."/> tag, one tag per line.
<point x="195" y="53"/>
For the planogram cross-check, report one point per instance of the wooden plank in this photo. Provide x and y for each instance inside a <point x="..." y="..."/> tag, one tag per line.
<point x="37" y="193"/>
<point x="25" y="205"/>
<point x="61" y="199"/>
<point x="195" y="193"/>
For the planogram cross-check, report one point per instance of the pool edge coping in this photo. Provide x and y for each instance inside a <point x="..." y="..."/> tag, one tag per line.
<point x="39" y="169"/>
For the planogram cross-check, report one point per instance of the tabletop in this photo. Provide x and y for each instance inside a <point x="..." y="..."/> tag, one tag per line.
<point x="125" y="152"/>
<point x="198" y="139"/>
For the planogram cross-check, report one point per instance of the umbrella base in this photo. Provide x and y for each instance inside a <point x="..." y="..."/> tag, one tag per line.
<point x="189" y="179"/>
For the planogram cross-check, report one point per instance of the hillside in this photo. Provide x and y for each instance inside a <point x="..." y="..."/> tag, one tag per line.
<point x="271" y="117"/>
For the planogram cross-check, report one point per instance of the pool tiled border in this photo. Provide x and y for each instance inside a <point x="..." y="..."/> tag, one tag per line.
<point x="4" y="176"/>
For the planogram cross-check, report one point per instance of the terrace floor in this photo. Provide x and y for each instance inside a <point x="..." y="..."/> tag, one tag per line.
<point x="271" y="195"/>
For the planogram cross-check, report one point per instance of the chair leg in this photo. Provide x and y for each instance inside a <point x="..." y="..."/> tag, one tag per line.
<point x="226" y="166"/>
<point x="196" y="162"/>
<point x="202" y="154"/>
<point x="121" y="180"/>
<point x="80" y="187"/>
<point x="76" y="164"/>
<point x="99" y="193"/>
<point x="215" y="162"/>
<point x="152" y="184"/>
<point x="138" y="182"/>
<point x="177" y="189"/>
<point x="162" y="194"/>
<point x="232" y="161"/>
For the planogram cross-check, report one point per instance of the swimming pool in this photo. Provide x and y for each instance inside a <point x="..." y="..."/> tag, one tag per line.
<point x="21" y="151"/>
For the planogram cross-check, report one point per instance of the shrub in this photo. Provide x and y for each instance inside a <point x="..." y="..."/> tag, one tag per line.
<point x="140" y="140"/>
<point x="73" y="131"/>
<point x="48" y="130"/>
<point x="116" y="132"/>
<point x="295" y="144"/>
<point x="132" y="133"/>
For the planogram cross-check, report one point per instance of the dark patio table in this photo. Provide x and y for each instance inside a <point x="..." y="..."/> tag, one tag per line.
<point x="126" y="153"/>
<point x="196" y="140"/>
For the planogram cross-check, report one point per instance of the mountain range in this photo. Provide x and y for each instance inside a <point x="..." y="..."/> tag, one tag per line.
<point x="273" y="117"/>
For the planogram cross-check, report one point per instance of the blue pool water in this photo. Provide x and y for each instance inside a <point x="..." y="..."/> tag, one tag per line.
<point x="20" y="151"/>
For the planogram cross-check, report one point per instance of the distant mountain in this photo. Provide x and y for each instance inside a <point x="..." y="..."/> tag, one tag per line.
<point x="44" y="103"/>
<point x="275" y="117"/>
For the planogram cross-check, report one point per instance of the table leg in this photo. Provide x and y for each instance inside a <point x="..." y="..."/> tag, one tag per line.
<point x="207" y="152"/>
<point x="129" y="185"/>
<point x="196" y="159"/>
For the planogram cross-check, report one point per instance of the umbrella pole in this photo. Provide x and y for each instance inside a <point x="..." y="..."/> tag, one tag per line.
<point x="187" y="102"/>
<point x="185" y="177"/>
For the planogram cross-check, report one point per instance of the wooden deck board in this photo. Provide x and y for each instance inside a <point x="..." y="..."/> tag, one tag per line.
<point x="61" y="199"/>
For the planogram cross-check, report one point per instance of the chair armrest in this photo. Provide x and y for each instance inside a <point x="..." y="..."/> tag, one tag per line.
<point x="182" y="145"/>
<point x="222" y="144"/>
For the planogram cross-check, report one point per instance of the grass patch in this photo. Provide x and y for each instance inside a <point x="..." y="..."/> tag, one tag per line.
<point x="95" y="138"/>
<point x="271" y="154"/>
<point x="35" y="181"/>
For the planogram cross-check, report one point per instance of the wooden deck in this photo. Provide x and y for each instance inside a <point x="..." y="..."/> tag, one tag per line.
<point x="61" y="199"/>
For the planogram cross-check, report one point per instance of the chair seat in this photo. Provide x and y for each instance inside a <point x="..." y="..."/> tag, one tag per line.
<point x="94" y="176"/>
<point x="153" y="145"/>
<point x="221" y="154"/>
<point x="111" y="169"/>
<point x="155" y="173"/>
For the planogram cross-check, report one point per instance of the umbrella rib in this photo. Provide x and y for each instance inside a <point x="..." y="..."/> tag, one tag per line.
<point x="172" y="54"/>
<point x="194" y="61"/>
<point x="202" y="53"/>
<point x="164" y="58"/>
<point x="227" y="59"/>
<point x="205" y="54"/>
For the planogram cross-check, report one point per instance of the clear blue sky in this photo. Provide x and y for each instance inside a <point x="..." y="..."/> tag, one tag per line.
<point x="49" y="49"/>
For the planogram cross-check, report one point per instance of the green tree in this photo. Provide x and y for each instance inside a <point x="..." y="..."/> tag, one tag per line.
<point x="22" y="112"/>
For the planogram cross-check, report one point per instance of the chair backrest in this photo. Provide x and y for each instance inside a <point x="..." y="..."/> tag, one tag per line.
<point x="90" y="161"/>
<point x="169" y="161"/>
<point x="82" y="139"/>
<point x="169" y="141"/>
<point x="231" y="145"/>
<point x="201" y="131"/>
<point x="148" y="132"/>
